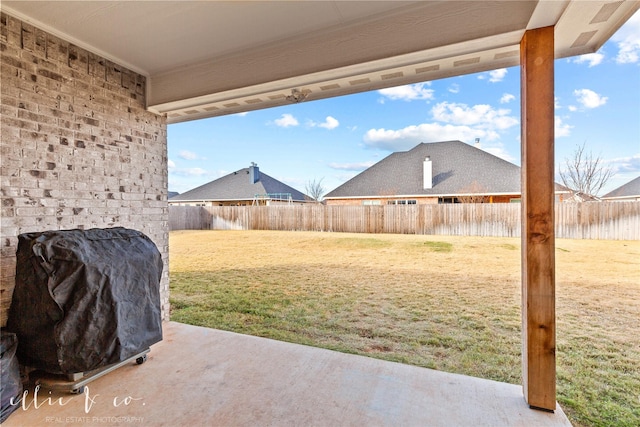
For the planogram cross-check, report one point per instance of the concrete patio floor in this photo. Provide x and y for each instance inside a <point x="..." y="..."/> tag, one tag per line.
<point x="205" y="377"/>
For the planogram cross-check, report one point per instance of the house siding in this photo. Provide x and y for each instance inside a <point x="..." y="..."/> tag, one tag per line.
<point x="78" y="148"/>
<point x="378" y="200"/>
<point x="260" y="202"/>
<point x="419" y="200"/>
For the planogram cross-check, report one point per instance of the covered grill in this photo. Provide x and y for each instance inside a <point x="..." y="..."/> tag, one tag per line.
<point x="85" y="299"/>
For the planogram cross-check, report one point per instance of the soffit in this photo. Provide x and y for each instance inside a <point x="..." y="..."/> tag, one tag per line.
<point x="209" y="58"/>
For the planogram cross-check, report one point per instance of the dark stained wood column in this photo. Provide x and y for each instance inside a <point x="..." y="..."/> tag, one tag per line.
<point x="538" y="235"/>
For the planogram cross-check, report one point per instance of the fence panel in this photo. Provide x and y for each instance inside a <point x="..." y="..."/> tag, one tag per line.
<point x="592" y="220"/>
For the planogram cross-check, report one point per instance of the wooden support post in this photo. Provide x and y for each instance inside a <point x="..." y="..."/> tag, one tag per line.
<point x="538" y="235"/>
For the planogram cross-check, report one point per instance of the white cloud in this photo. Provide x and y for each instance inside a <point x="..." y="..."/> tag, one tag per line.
<point x="626" y="165"/>
<point x="286" y="120"/>
<point x="188" y="155"/>
<point x="410" y="136"/>
<point x="171" y="164"/>
<point x="481" y="115"/>
<point x="506" y="98"/>
<point x="499" y="151"/>
<point x="329" y="123"/>
<point x="185" y="179"/>
<point x="592" y="59"/>
<point x="589" y="99"/>
<point x="190" y="172"/>
<point x="624" y="169"/>
<point x="628" y="41"/>
<point x="351" y="166"/>
<point x="344" y="177"/>
<point x="494" y="75"/>
<point x="561" y="129"/>
<point x="459" y="122"/>
<point x="408" y="92"/>
<point x="497" y="75"/>
<point x="454" y="88"/>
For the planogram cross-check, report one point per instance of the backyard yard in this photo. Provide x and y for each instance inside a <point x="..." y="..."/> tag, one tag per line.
<point x="446" y="303"/>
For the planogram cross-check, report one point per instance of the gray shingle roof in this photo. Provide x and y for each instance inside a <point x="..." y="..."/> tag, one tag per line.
<point x="630" y="189"/>
<point x="456" y="166"/>
<point x="238" y="186"/>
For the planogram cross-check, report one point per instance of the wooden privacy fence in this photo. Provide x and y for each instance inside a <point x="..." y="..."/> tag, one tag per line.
<point x="592" y="220"/>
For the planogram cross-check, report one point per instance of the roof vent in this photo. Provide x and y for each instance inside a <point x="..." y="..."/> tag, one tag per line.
<point x="477" y="144"/>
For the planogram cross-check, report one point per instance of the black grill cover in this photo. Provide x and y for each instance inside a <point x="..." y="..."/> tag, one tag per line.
<point x="85" y="299"/>
<point x="10" y="382"/>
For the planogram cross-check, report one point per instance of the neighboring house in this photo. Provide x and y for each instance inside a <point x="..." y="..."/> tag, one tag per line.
<point x="438" y="172"/>
<point x="247" y="186"/>
<point x="628" y="192"/>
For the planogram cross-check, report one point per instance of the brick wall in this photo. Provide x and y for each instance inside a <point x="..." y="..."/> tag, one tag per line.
<point x="78" y="148"/>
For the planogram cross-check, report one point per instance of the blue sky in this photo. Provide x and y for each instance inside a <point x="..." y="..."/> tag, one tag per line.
<point x="597" y="103"/>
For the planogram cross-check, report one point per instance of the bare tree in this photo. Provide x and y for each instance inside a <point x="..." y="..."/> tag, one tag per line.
<point x="584" y="173"/>
<point x="315" y="190"/>
<point x="473" y="193"/>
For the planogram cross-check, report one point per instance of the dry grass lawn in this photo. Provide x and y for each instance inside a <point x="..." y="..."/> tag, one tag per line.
<point x="447" y="303"/>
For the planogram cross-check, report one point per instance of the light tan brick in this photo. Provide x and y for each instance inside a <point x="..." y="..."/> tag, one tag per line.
<point x="78" y="148"/>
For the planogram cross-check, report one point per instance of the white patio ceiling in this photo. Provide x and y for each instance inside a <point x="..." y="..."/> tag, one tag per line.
<point x="210" y="58"/>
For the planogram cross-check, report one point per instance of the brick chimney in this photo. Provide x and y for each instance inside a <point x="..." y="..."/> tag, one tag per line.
<point x="427" y="173"/>
<point x="254" y="173"/>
